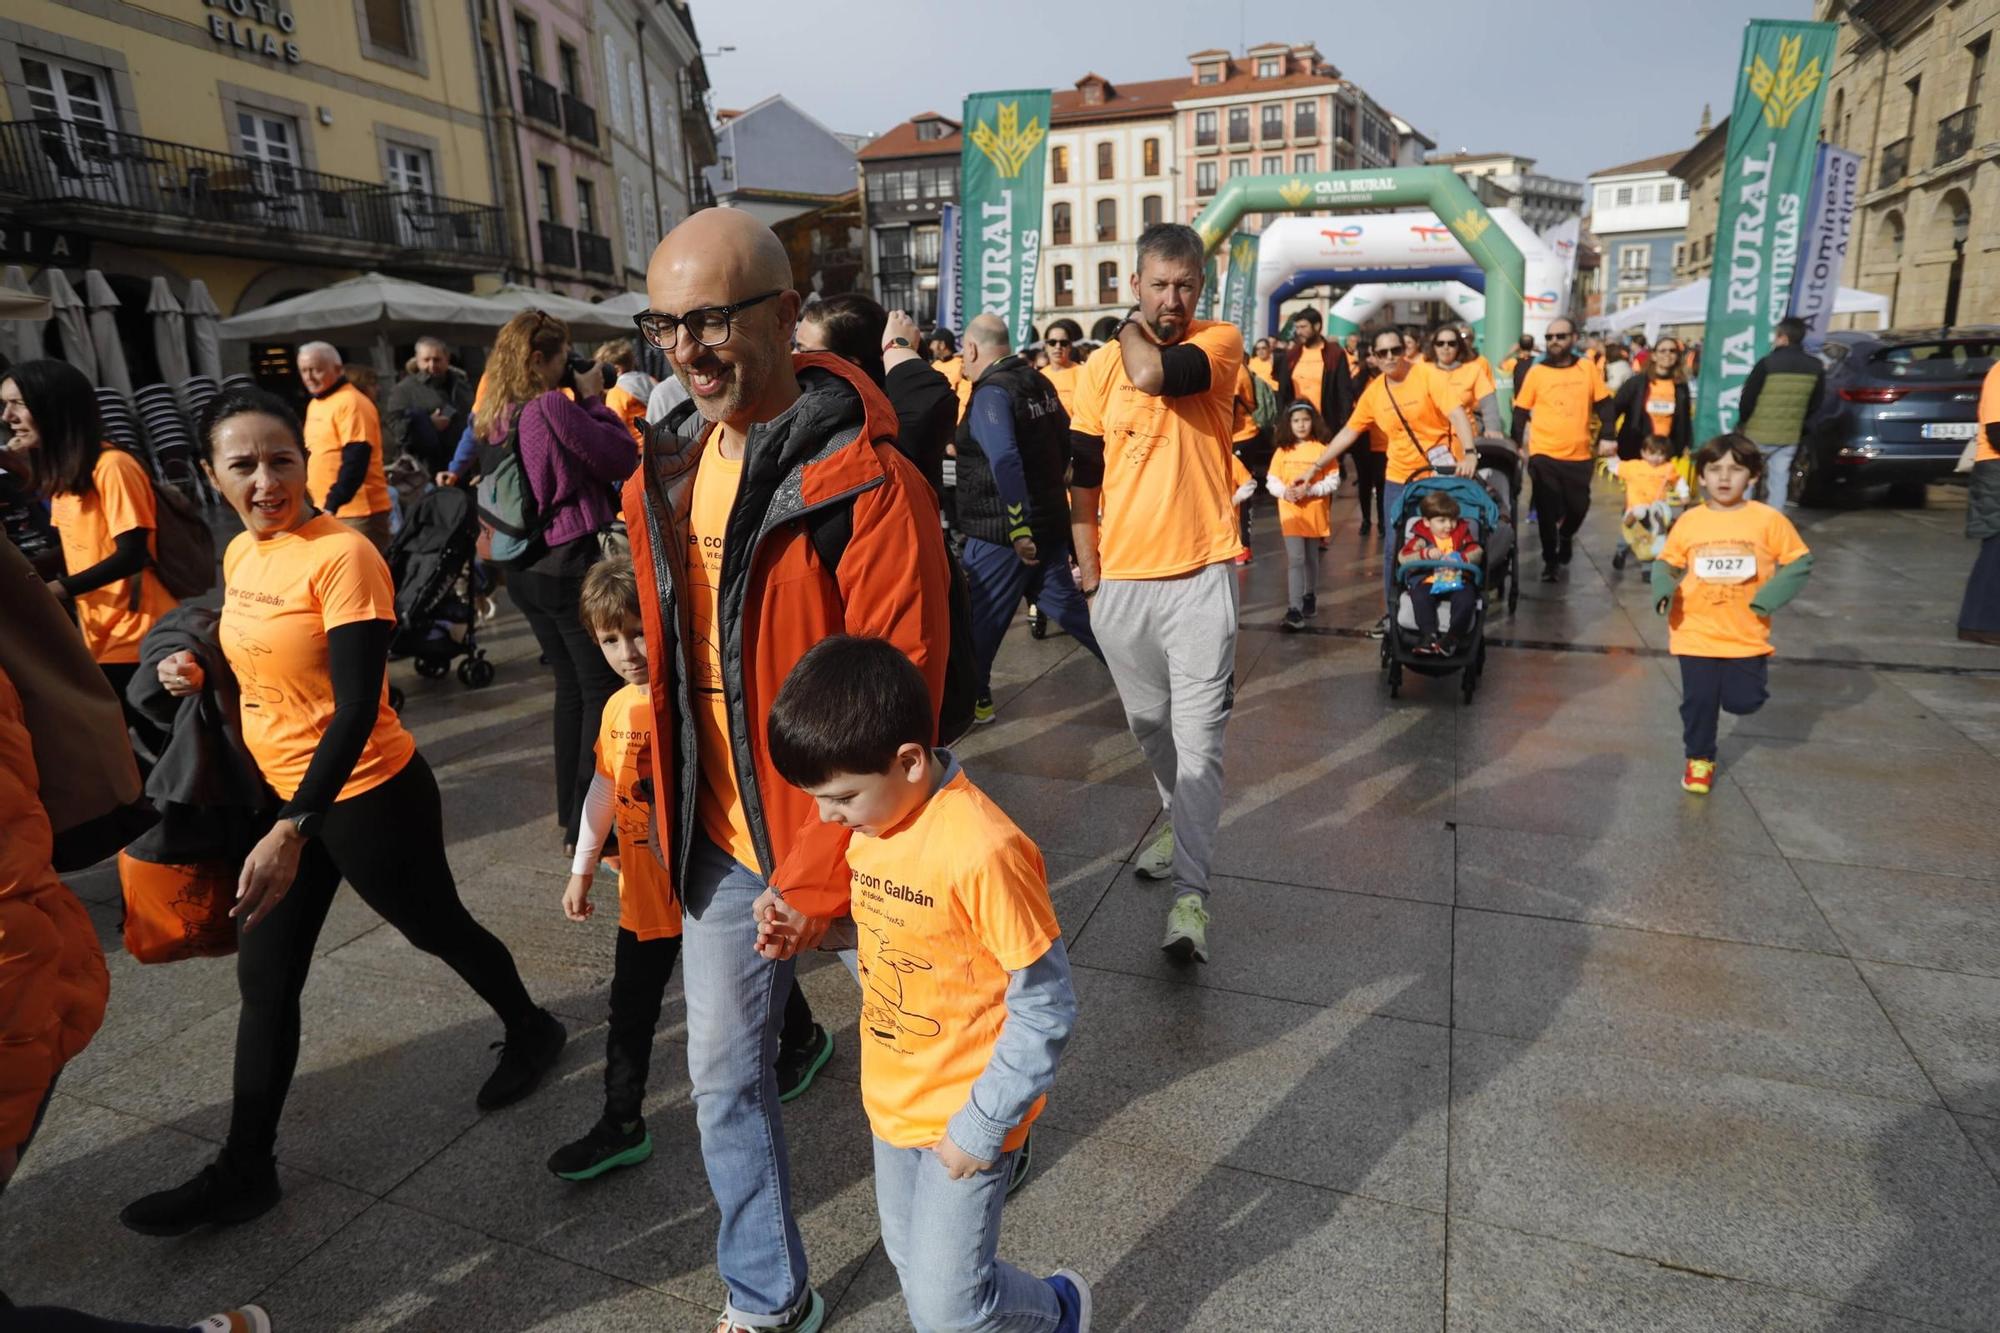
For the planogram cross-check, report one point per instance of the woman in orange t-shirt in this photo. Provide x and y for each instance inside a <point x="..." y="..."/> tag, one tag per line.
<point x="102" y="504"/>
<point x="308" y="610"/>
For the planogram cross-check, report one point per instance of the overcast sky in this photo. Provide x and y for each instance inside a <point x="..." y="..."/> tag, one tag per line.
<point x="1579" y="87"/>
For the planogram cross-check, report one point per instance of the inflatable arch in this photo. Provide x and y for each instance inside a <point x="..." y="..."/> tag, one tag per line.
<point x="1363" y="301"/>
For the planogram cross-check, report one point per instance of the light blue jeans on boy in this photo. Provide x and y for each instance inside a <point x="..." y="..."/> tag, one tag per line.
<point x="735" y="1007"/>
<point x="942" y="1235"/>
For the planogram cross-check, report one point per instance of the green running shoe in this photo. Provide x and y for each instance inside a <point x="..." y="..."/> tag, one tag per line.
<point x="1157" y="861"/>
<point x="1187" y="930"/>
<point x="608" y="1146"/>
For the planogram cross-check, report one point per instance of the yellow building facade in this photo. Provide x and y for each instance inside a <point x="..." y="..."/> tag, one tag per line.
<point x="266" y="147"/>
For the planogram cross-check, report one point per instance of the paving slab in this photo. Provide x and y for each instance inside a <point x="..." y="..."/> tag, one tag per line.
<point x="61" y="1244"/>
<point x="1373" y="954"/>
<point x="1903" y="916"/>
<point x="1592" y="801"/>
<point x="1503" y="1281"/>
<point x="1072" y="817"/>
<point x="1168" y="1243"/>
<point x="1856" y="1200"/>
<point x="1985" y="1136"/>
<point x="1635" y="879"/>
<point x="1741" y="1008"/>
<point x="149" y="1004"/>
<point x="1952" y="1023"/>
<point x="1325" y="1097"/>
<point x="1844" y="706"/>
<point x="397" y="1269"/>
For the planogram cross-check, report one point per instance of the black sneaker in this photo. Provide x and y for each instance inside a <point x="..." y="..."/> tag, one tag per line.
<point x="220" y="1196"/>
<point x="524" y="1058"/>
<point x="796" y="1068"/>
<point x="1380" y="629"/>
<point x="1023" y="1163"/>
<point x="1565" y="548"/>
<point x="1293" y="620"/>
<point x="608" y="1146"/>
<point x="1548" y="574"/>
<point x="1311" y="606"/>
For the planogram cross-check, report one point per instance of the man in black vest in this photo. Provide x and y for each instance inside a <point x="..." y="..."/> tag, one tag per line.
<point x="1013" y="500"/>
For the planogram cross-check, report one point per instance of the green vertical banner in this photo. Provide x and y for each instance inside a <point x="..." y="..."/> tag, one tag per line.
<point x="1767" y="180"/>
<point x="1239" y="293"/>
<point x="1204" y="305"/>
<point x="1006" y="146"/>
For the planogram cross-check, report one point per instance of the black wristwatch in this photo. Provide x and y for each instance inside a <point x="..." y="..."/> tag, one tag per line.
<point x="308" y="822"/>
<point x="903" y="343"/>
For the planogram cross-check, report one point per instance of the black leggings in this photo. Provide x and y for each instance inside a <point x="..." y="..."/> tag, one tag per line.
<point x="388" y="843"/>
<point x="639" y="977"/>
<point x="584" y="680"/>
<point x="1562" y="498"/>
<point x="1371" y="469"/>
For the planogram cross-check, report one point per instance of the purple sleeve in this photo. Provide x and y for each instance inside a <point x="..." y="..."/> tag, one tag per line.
<point x="592" y="434"/>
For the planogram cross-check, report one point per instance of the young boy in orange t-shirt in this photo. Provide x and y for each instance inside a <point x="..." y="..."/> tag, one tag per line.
<point x="1653" y="487"/>
<point x="1728" y="565"/>
<point x="966" y="1000"/>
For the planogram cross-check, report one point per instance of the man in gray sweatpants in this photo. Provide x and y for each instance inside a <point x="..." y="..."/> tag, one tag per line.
<point x="1153" y="513"/>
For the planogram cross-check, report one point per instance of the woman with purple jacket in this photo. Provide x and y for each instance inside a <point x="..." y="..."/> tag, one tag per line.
<point x="576" y="453"/>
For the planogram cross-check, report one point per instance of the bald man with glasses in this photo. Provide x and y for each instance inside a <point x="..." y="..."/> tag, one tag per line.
<point x="1564" y="407"/>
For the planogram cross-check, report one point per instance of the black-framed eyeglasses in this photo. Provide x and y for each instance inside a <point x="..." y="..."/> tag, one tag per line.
<point x="1055" y="342"/>
<point x="1445" y="342"/>
<point x="708" y="325"/>
<point x="1552" y="336"/>
<point x="1386" y="351"/>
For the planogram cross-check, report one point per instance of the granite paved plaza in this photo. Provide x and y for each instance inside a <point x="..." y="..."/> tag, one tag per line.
<point x="1502" y="1031"/>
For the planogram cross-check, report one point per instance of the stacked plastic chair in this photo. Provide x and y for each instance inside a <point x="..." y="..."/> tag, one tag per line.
<point x="172" y="439"/>
<point x="197" y="392"/>
<point x="121" y="424"/>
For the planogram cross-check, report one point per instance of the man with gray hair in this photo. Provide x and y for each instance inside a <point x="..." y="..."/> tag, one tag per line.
<point x="427" y="410"/>
<point x="343" y="434"/>
<point x="1013" y="504"/>
<point x="1154" y="412"/>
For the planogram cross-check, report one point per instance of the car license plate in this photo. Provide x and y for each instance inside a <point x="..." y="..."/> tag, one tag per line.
<point x="1950" y="430"/>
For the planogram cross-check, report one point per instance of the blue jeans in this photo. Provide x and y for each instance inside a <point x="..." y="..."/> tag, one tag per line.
<point x="996" y="581"/>
<point x="941" y="1234"/>
<point x="1392" y="541"/>
<point x="1778" y="473"/>
<point x="735" y="1006"/>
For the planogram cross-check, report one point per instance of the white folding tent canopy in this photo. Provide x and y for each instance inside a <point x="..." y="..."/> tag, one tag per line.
<point x="1689" y="305"/>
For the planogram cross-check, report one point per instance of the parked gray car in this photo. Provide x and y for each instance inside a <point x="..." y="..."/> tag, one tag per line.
<point x="1898" y="410"/>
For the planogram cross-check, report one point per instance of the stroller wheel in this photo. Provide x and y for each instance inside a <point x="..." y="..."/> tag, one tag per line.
<point x="1395" y="677"/>
<point x="475" y="673"/>
<point x="432" y="668"/>
<point x="1513" y="588"/>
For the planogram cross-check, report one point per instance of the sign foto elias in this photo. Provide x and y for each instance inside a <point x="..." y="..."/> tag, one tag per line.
<point x="246" y="25"/>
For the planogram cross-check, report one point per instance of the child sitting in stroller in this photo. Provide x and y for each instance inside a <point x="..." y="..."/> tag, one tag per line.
<point x="1655" y="491"/>
<point x="1442" y="535"/>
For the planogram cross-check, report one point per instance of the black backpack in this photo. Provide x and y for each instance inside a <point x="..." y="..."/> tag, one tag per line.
<point x="183" y="546"/>
<point x="831" y="527"/>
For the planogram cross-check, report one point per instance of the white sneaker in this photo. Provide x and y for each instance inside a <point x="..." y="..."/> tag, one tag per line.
<point x="243" y="1319"/>
<point x="1187" y="929"/>
<point x="1157" y="861"/>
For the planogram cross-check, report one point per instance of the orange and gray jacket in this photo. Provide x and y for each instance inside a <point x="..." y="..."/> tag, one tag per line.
<point x="831" y="449"/>
<point x="1781" y="395"/>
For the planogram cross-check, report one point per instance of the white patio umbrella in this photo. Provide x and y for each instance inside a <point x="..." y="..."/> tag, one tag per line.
<point x="585" y="320"/>
<point x="22" y="314"/>
<point x="202" y="316"/>
<point x="169" y="334"/>
<point x="623" y="306"/>
<point x="359" y="309"/>
<point x="112" y="371"/>
<point x="72" y="326"/>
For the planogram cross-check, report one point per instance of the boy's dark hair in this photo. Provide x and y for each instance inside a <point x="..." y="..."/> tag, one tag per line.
<point x="847" y="707"/>
<point x="1656" y="443"/>
<point x="610" y="597"/>
<point x="1734" y="445"/>
<point x="1437" y="504"/>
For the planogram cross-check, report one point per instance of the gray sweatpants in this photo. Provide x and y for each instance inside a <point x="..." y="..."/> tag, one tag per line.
<point x="1171" y="647"/>
<point x="1301" y="570"/>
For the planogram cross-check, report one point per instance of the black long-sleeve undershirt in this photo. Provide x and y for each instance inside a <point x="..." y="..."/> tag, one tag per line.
<point x="129" y="558"/>
<point x="357" y="658"/>
<point x="353" y="472"/>
<point x="1184" y="370"/>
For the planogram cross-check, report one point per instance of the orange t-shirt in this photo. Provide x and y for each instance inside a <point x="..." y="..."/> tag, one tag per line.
<point x="1646" y="484"/>
<point x="1262" y="368"/>
<point x="719" y="803"/>
<point x="1309" y="374"/>
<point x="121" y="499"/>
<point x="1167" y="507"/>
<point x="1471" y="383"/>
<point x="1426" y="399"/>
<point x="1728" y="554"/>
<point x="344" y="417"/>
<point x="1660" y="400"/>
<point x="646" y="903"/>
<point x="1244" y="408"/>
<point x="1562" y="422"/>
<point x="279" y="598"/>
<point x="1292" y="465"/>
<point x="1989" y="412"/>
<point x="946" y="904"/>
<point x="631" y="409"/>
<point x="1064" y="378"/>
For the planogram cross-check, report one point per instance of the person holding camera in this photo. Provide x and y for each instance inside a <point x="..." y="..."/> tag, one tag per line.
<point x="576" y="452"/>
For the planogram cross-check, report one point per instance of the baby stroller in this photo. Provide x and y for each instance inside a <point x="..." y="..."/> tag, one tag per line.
<point x="1467" y="653"/>
<point x="431" y="562"/>
<point x="1500" y="472"/>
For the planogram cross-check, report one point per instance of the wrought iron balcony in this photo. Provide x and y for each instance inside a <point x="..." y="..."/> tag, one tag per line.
<point x="1204" y="138"/>
<point x="1954" y="135"/>
<point x="580" y="119"/>
<point x="1895" y="164"/>
<point x="558" y="244"/>
<point x="541" y="100"/>
<point x="593" y="252"/>
<point x="127" y="188"/>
